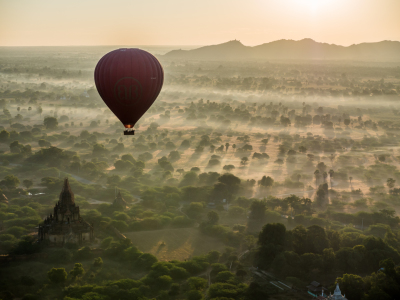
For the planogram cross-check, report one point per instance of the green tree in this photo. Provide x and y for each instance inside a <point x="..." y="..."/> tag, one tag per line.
<point x="322" y="195"/>
<point x="328" y="257"/>
<point x="299" y="234"/>
<point x="266" y="181"/>
<point x="228" y="168"/>
<point x="390" y="183"/>
<point x="123" y="165"/>
<point x="345" y="259"/>
<point x="316" y="239"/>
<point x="128" y="157"/>
<point x="4" y="136"/>
<point x="308" y="262"/>
<point x="17" y="147"/>
<point x="194" y="295"/>
<point x="250" y="242"/>
<point x="57" y="275"/>
<point x="243" y="202"/>
<point x="98" y="262"/>
<point x="146" y="260"/>
<point x="106" y="242"/>
<point x="317" y="175"/>
<point x="388" y="267"/>
<point x="257" y="210"/>
<point x="197" y="283"/>
<point x="331" y="172"/>
<point x="222" y="290"/>
<point x="44" y="143"/>
<point x="164" y="282"/>
<point x="302" y="149"/>
<point x="256" y="292"/>
<point x="352" y="286"/>
<point x="77" y="270"/>
<point x="272" y="233"/>
<point x="334" y="239"/>
<point x="165" y="164"/>
<point x="190" y="178"/>
<point x="231" y="181"/>
<point x="99" y="150"/>
<point x="119" y="147"/>
<point x="195" y="209"/>
<point x="27" y="183"/>
<point x="212" y="217"/>
<point x="224" y="276"/>
<point x="174" y="156"/>
<point x="7" y="113"/>
<point x="236" y="211"/>
<point x="10" y="181"/>
<point x="376" y="293"/>
<point x="50" y="122"/>
<point x="213" y="256"/>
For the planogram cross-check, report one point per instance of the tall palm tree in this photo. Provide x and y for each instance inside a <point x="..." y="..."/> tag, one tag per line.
<point x="325" y="175"/>
<point x="332" y="157"/>
<point x="351" y="186"/>
<point x="331" y="172"/>
<point x="316" y="174"/>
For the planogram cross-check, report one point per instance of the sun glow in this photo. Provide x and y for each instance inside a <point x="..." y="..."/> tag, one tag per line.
<point x="179" y="22"/>
<point x="313" y="6"/>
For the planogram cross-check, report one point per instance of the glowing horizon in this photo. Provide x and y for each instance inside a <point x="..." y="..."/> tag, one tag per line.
<point x="179" y="22"/>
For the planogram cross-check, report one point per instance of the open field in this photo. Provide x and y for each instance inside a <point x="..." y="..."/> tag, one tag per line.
<point x="180" y="244"/>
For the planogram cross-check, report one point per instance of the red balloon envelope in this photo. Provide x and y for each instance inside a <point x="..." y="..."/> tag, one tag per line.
<point x="129" y="81"/>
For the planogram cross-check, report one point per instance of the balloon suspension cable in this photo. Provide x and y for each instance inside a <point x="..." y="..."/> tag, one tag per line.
<point x="129" y="131"/>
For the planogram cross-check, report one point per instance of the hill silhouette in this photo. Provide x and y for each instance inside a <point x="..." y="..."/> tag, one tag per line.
<point x="290" y="49"/>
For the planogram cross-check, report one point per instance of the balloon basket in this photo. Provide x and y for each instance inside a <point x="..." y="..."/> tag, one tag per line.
<point x="129" y="132"/>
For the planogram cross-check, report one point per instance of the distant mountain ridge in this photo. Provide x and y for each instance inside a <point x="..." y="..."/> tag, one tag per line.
<point x="290" y="49"/>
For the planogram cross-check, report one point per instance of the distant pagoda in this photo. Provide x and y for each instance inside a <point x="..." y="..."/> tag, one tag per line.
<point x="337" y="294"/>
<point x="119" y="202"/>
<point x="65" y="225"/>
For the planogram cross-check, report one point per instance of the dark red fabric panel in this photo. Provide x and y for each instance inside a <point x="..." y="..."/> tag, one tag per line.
<point x="129" y="81"/>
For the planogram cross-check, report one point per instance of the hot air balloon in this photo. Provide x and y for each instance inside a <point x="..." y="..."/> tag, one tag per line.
<point x="129" y="81"/>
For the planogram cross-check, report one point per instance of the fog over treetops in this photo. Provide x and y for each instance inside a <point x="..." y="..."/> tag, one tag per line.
<point x="246" y="179"/>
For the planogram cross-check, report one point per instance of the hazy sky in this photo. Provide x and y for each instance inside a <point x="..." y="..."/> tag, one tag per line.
<point x="195" y="22"/>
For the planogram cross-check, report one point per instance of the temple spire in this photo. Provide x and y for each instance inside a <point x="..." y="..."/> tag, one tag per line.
<point x="66" y="196"/>
<point x="119" y="201"/>
<point x="337" y="290"/>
